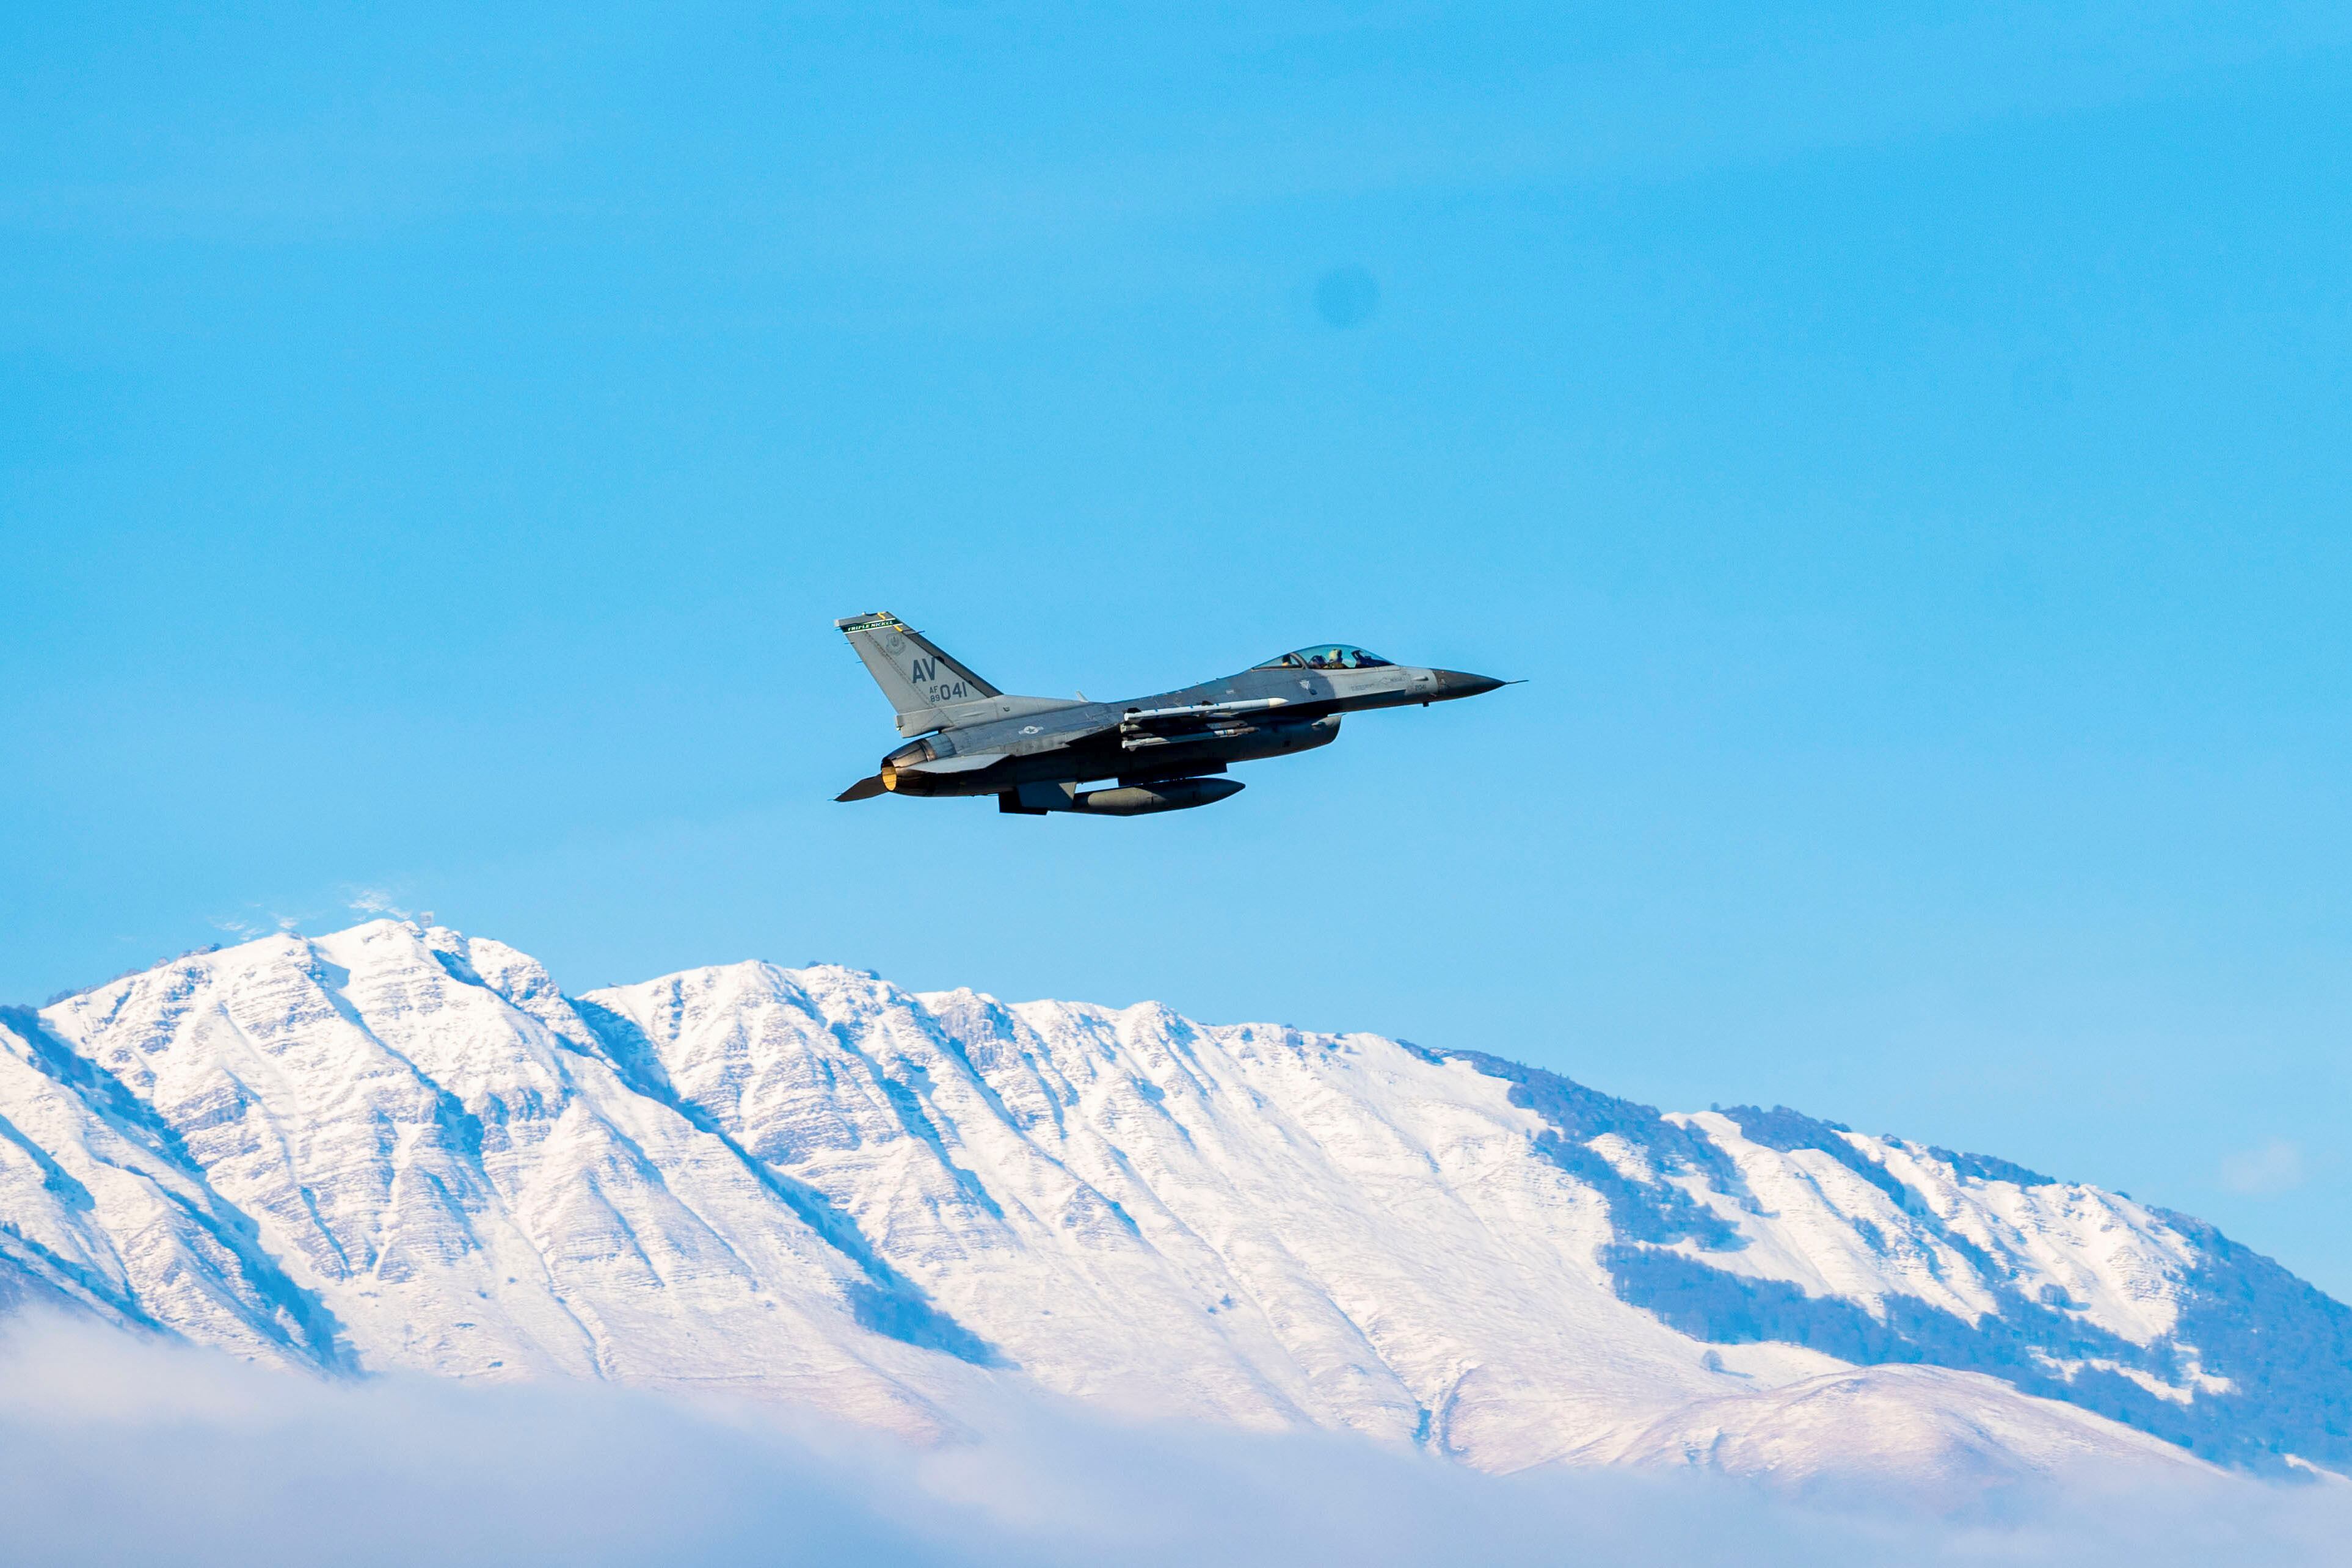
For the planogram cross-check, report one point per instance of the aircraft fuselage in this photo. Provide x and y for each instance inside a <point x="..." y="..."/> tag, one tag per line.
<point x="1036" y="753"/>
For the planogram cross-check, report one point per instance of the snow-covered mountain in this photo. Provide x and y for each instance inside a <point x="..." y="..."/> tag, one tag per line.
<point x="397" y="1146"/>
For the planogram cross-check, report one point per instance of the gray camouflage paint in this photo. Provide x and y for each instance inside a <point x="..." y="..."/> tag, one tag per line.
<point x="1033" y="752"/>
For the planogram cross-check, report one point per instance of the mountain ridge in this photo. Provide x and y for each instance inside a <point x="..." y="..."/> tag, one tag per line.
<point x="398" y="1145"/>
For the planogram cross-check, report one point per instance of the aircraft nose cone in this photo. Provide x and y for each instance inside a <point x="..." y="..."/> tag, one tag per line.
<point x="1460" y="684"/>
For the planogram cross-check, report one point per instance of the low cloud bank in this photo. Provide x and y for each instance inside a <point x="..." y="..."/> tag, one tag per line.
<point x="113" y="1450"/>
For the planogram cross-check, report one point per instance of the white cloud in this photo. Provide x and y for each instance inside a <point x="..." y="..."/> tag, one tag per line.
<point x="374" y="901"/>
<point x="2275" y="1166"/>
<point x="258" y="922"/>
<point x="113" y="1450"/>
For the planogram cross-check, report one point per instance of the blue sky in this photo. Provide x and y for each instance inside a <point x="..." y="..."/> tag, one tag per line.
<point x="1902" y="450"/>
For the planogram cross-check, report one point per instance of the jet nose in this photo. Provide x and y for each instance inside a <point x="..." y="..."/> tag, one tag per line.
<point x="1461" y="683"/>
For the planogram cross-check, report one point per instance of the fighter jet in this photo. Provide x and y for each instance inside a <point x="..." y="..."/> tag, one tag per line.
<point x="1038" y="755"/>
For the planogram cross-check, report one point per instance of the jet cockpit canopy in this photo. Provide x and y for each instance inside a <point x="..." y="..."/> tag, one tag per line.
<point x="1326" y="657"/>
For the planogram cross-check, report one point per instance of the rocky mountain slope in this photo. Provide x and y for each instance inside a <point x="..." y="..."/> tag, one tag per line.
<point x="395" y="1146"/>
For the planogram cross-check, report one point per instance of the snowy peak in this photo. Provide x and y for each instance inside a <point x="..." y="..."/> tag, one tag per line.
<point x="397" y="1146"/>
<point x="431" y="1140"/>
<point x="106" y="1213"/>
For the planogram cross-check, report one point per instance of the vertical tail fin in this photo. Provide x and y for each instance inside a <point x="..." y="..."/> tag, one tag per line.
<point x="922" y="683"/>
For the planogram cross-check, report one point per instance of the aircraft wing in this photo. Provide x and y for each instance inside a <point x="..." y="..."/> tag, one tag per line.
<point x="1193" y="716"/>
<point x="1138" y="728"/>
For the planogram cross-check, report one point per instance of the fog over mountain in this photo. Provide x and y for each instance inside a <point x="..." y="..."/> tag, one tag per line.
<point x="400" y="1149"/>
<point x="118" y="1449"/>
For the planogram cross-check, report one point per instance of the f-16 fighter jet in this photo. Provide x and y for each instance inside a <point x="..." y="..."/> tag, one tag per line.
<point x="1037" y="754"/>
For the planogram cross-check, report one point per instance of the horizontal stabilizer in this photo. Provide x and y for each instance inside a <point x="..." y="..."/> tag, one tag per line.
<point x="863" y="789"/>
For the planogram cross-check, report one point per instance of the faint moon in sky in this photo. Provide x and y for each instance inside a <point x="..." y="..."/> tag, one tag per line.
<point x="1347" y="297"/>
